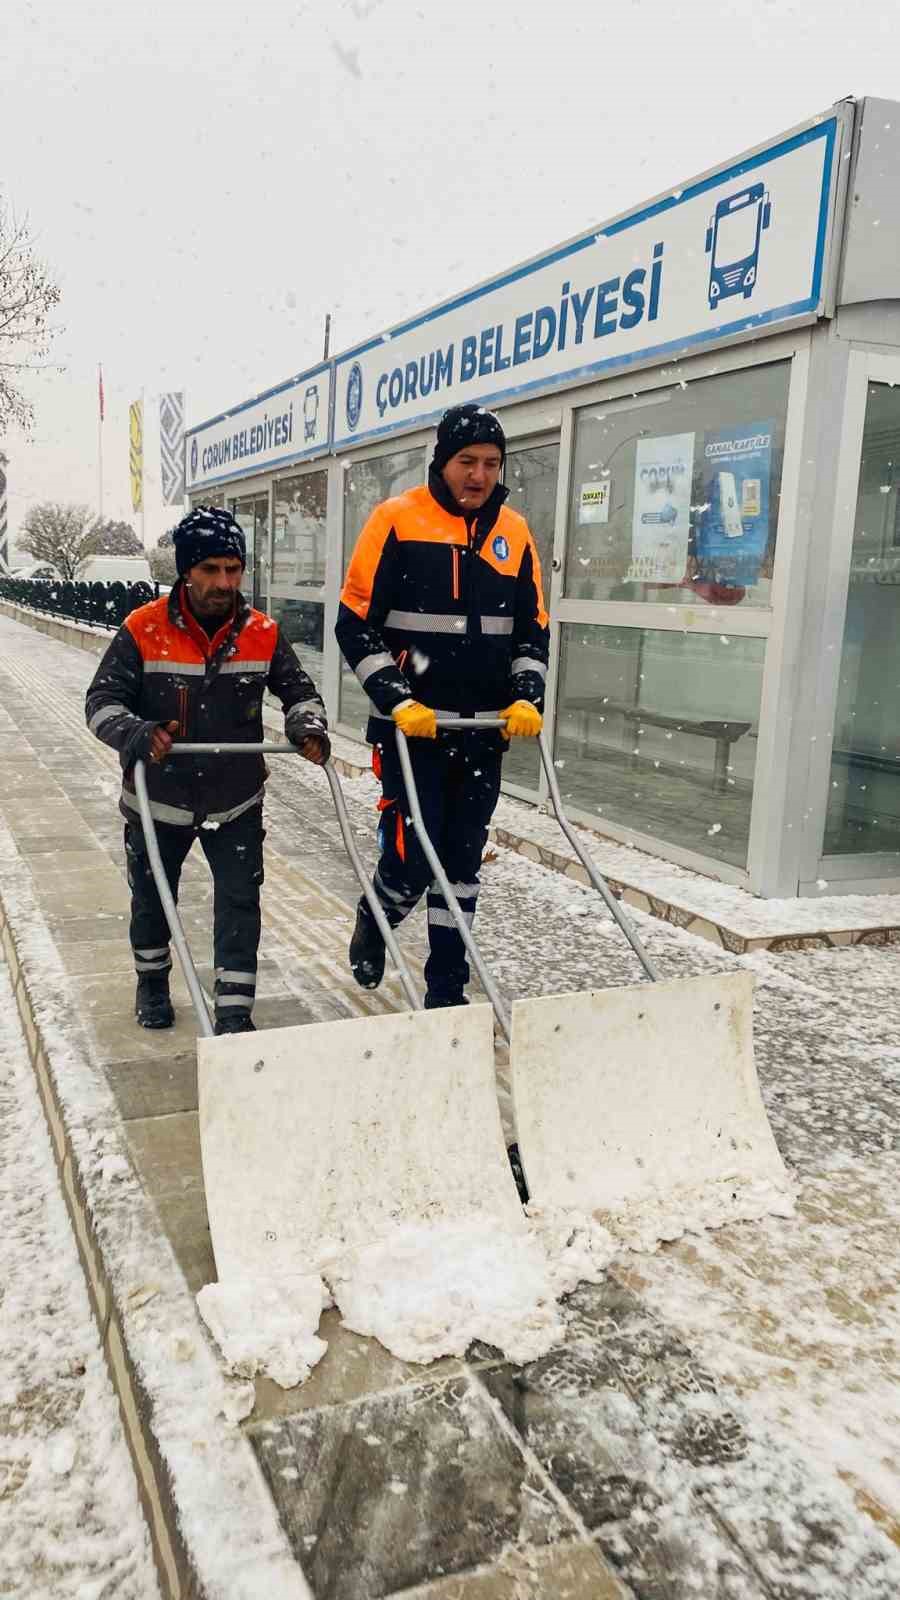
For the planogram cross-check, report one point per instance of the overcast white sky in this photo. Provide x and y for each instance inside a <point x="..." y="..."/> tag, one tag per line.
<point x="208" y="177"/>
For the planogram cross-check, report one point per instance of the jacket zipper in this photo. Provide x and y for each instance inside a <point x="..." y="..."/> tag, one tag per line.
<point x="183" y="710"/>
<point x="454" y="552"/>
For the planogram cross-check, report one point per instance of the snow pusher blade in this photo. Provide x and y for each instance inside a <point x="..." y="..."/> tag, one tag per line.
<point x="322" y="1137"/>
<point x="641" y="1103"/>
<point x="643" y="1098"/>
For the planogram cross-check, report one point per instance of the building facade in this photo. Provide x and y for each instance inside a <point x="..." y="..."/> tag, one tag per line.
<point x="702" y="401"/>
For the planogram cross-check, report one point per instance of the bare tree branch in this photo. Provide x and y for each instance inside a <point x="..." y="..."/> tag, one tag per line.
<point x="27" y="297"/>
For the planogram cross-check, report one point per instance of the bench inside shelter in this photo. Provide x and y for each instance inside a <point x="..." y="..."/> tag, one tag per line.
<point x="636" y="718"/>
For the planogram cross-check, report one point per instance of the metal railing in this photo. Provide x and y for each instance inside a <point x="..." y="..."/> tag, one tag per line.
<point x="102" y="605"/>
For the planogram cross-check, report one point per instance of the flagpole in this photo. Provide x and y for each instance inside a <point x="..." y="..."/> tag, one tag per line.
<point x="100" y="445"/>
<point x="143" y="457"/>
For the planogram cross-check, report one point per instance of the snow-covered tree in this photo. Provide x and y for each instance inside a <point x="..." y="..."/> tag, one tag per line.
<point x="162" y="559"/>
<point x="115" y="539"/>
<point x="27" y="297"/>
<point x="60" y="536"/>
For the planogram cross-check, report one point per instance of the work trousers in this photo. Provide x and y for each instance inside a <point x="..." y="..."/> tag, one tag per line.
<point x="234" y="851"/>
<point x="458" y="784"/>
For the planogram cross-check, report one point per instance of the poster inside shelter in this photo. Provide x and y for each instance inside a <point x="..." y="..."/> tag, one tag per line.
<point x="663" y="474"/>
<point x="594" y="501"/>
<point x="732" y="532"/>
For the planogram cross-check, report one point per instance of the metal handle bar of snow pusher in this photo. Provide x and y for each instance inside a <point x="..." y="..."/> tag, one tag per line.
<point x="198" y="999"/>
<point x="450" y="900"/>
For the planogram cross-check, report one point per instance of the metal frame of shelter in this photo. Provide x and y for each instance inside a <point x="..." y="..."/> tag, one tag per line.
<point x="831" y="353"/>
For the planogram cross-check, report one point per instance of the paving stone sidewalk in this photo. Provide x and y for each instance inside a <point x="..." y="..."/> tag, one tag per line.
<point x="722" y="1419"/>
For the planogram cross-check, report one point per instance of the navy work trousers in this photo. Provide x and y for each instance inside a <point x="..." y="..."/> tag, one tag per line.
<point x="234" y="851"/>
<point x="458" y="781"/>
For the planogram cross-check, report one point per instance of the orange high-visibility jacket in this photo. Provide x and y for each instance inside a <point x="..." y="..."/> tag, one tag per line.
<point x="162" y="667"/>
<point x="444" y="608"/>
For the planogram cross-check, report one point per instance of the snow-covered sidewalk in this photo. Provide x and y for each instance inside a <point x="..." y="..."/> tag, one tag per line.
<point x="71" y="1527"/>
<point x="717" y="1420"/>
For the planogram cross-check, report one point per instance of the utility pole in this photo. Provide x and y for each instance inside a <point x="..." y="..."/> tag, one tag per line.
<point x="327" y="336"/>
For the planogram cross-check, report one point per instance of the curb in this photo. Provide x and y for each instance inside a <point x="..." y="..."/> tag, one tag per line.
<point x="77" y="634"/>
<point x="213" y="1528"/>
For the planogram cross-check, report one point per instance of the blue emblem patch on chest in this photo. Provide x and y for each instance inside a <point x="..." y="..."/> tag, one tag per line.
<point x="500" y="548"/>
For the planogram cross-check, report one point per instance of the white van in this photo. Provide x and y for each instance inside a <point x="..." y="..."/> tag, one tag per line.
<point x="116" y="569"/>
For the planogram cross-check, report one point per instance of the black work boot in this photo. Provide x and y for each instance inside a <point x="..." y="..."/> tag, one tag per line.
<point x="152" y="1005"/>
<point x="366" y="949"/>
<point x="235" y="1022"/>
<point x="435" y="1001"/>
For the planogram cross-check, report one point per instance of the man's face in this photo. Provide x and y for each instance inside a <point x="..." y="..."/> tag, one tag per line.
<point x="472" y="474"/>
<point x="213" y="584"/>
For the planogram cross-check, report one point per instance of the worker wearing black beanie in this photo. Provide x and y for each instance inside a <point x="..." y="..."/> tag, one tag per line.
<point x="465" y="425"/>
<point x="205" y="532"/>
<point x="441" y="616"/>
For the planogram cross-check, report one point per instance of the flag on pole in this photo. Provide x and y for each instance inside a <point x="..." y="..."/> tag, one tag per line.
<point x="100" y="381"/>
<point x="171" y="446"/>
<point x="136" y="453"/>
<point x="4" y="530"/>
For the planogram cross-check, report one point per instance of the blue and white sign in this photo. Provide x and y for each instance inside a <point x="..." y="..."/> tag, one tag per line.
<point x="732" y="532"/>
<point x="742" y="248"/>
<point x="283" y="425"/>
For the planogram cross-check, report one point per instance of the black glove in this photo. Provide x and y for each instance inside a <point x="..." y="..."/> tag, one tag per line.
<point x="309" y="726"/>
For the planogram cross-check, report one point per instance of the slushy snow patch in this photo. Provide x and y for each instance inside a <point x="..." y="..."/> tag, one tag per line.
<point x="430" y="1290"/>
<point x="267" y="1327"/>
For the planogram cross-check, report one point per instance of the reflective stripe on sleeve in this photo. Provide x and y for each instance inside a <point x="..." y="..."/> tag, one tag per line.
<point x="306" y="708"/>
<point x="528" y="664"/>
<point x="373" y="664"/>
<point x="104" y="714"/>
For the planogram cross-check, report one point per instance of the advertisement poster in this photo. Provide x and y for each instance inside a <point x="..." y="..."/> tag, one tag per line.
<point x="663" y="472"/>
<point x="594" y="503"/>
<point x="732" y="531"/>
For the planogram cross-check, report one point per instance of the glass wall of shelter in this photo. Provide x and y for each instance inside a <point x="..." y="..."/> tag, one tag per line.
<point x="665" y="508"/>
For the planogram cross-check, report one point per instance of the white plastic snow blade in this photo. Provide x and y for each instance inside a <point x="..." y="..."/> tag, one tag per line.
<point x="320" y="1138"/>
<point x="634" y="1097"/>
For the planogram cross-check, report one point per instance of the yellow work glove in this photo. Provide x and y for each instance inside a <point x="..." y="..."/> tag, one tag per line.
<point x="522" y="719"/>
<point x="415" y="720"/>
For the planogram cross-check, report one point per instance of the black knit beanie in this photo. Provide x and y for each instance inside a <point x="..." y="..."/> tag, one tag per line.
<point x="207" y="531"/>
<point x="465" y="425"/>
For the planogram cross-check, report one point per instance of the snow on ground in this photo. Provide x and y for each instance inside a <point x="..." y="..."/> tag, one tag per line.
<point x="802" y="1321"/>
<point x="70" y="1523"/>
<point x="798" y="1318"/>
<point x="267" y="1327"/>
<point x="426" y="1292"/>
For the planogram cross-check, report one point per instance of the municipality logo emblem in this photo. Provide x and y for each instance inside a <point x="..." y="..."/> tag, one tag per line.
<point x="500" y="548"/>
<point x="354" y="396"/>
<point x="194" y="458"/>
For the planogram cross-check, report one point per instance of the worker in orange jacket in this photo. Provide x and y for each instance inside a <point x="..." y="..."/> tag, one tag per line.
<point x="442" y="615"/>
